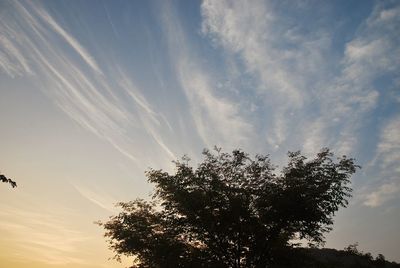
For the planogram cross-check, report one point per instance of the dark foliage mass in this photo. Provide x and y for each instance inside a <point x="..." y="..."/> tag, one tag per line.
<point x="7" y="180"/>
<point x="232" y="211"/>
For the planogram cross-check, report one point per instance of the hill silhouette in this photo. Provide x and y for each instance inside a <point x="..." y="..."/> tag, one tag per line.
<point x="333" y="258"/>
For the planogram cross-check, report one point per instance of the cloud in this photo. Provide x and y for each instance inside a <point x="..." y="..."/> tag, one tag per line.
<point x="12" y="62"/>
<point x="12" y="59"/>
<point x="281" y="89"/>
<point x="389" y="145"/>
<point x="372" y="54"/>
<point x="311" y="98"/>
<point x="218" y="120"/>
<point x="44" y="237"/>
<point x="68" y="38"/>
<point x="288" y="108"/>
<point x="110" y="106"/>
<point x="153" y="122"/>
<point x="246" y="29"/>
<point x="387" y="161"/>
<point x="282" y="60"/>
<point x="384" y="193"/>
<point x="102" y="200"/>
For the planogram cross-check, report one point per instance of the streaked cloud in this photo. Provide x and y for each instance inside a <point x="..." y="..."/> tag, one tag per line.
<point x="45" y="238"/>
<point x="389" y="145"/>
<point x="95" y="101"/>
<point x="68" y="38"/>
<point x="384" y="193"/>
<point x="307" y="94"/>
<point x="387" y="161"/>
<point x="218" y="120"/>
<point x="101" y="199"/>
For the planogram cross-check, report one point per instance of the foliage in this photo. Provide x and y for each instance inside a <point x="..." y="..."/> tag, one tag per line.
<point x="353" y="249"/>
<point x="231" y="211"/>
<point x="380" y="260"/>
<point x="7" y="180"/>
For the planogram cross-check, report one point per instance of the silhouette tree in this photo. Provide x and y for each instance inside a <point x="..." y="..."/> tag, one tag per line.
<point x="380" y="260"/>
<point x="353" y="249"/>
<point x="231" y="211"/>
<point x="7" y="180"/>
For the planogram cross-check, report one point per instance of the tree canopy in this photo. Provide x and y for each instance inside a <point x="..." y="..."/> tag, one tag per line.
<point x="3" y="178"/>
<point x="232" y="210"/>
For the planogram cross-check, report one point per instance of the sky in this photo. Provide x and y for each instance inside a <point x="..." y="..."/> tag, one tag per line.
<point x="94" y="93"/>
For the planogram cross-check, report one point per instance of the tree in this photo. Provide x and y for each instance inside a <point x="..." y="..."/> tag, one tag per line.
<point x="6" y="180"/>
<point x="380" y="260"/>
<point x="353" y="249"/>
<point x="231" y="211"/>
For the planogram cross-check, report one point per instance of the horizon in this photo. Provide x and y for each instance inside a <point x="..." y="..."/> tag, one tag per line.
<point x="94" y="93"/>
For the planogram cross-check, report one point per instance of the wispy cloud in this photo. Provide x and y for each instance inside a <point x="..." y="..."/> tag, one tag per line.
<point x="68" y="38"/>
<point x="45" y="237"/>
<point x="389" y="145"/>
<point x="310" y="97"/>
<point x="282" y="60"/>
<point x="12" y="62"/>
<point x="246" y="29"/>
<point x="95" y="101"/>
<point x="298" y="95"/>
<point x="218" y="120"/>
<point x="384" y="193"/>
<point x="101" y="199"/>
<point x="387" y="161"/>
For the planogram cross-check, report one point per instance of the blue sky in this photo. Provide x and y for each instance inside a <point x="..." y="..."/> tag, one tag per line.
<point x="93" y="93"/>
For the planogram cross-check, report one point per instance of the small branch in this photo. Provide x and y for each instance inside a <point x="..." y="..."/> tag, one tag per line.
<point x="6" y="180"/>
